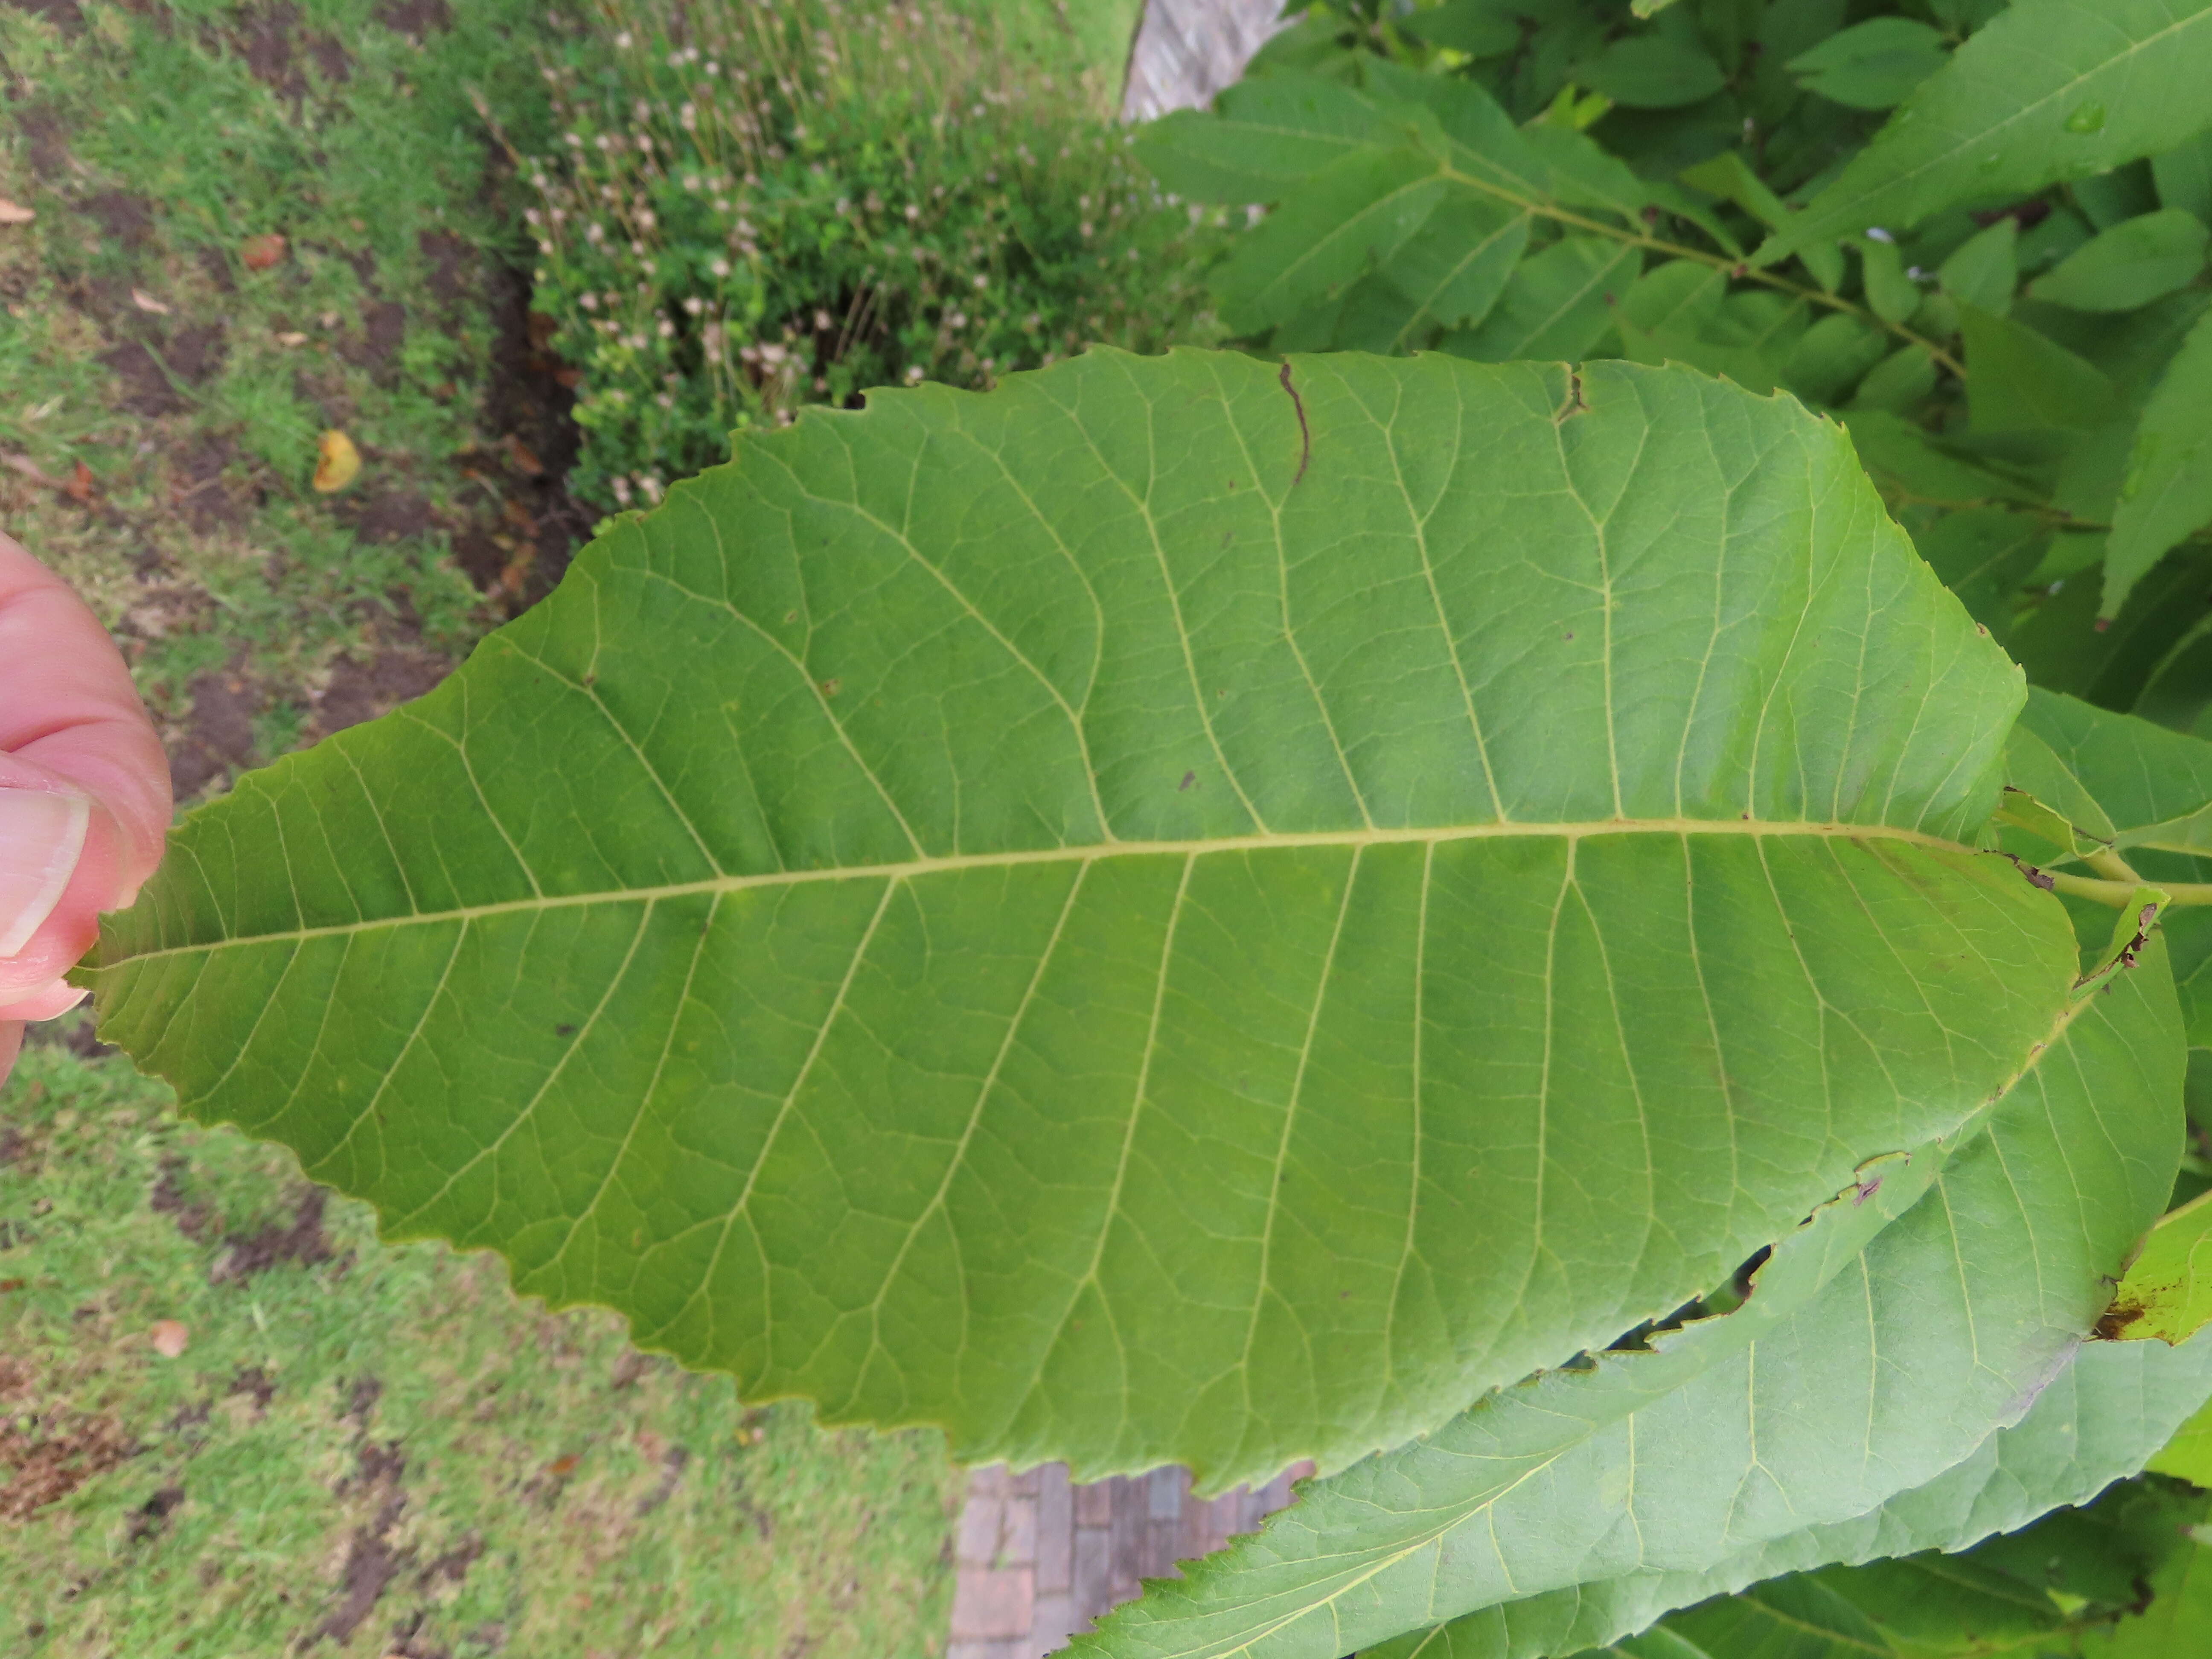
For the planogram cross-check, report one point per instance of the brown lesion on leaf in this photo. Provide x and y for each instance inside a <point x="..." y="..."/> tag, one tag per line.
<point x="2113" y="1324"/>
<point x="1305" y="432"/>
<point x="1575" y="404"/>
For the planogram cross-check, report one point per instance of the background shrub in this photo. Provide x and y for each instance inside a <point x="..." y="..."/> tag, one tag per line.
<point x="748" y="211"/>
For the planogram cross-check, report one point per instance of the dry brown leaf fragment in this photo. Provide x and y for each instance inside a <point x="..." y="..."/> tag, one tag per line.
<point x="337" y="463"/>
<point x="81" y="485"/>
<point x="259" y="252"/>
<point x="14" y="213"/>
<point x="146" y="301"/>
<point x="31" y="469"/>
<point x="170" y="1338"/>
<point x="291" y="338"/>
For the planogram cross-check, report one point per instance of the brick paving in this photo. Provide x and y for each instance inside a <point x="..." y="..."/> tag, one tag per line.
<point x="1038" y="1559"/>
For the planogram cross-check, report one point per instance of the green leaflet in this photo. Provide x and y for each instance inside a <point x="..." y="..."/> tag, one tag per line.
<point x="1983" y="556"/>
<point x="2049" y="90"/>
<point x="2167" y="1292"/>
<point x="1455" y="267"/>
<point x="2020" y="381"/>
<point x="1654" y="71"/>
<point x="2168" y="491"/>
<point x="2154" y="790"/>
<point x="2034" y="767"/>
<point x="1481" y="28"/>
<point x="1354" y="212"/>
<point x="1557" y="304"/>
<point x="2094" y="1423"/>
<point x="1869" y="1358"/>
<point x="1029" y="911"/>
<point x="1983" y="272"/>
<point x="2184" y="176"/>
<point x="1893" y="296"/>
<point x="2002" y="1597"/>
<point x="1832" y="356"/>
<point x="2130" y="265"/>
<point x="2176" y="1624"/>
<point x="1872" y="66"/>
<point x="2150" y="783"/>
<point x="2188" y="1455"/>
<point x="1272" y="130"/>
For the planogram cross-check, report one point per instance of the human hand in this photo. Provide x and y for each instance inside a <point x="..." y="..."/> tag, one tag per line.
<point x="84" y="790"/>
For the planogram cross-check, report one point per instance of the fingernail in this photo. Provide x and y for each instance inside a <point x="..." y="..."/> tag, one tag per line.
<point x="42" y="834"/>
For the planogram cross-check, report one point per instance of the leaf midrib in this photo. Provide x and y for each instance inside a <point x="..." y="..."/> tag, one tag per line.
<point x="1196" y="847"/>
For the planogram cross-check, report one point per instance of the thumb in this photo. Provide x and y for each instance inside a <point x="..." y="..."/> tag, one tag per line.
<point x="84" y="786"/>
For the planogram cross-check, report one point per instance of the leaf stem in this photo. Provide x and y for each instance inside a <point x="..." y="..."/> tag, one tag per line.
<point x="2107" y="863"/>
<point x="2117" y="894"/>
<point x="1735" y="267"/>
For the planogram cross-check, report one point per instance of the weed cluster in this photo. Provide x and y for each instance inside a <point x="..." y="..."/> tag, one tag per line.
<point x="751" y="207"/>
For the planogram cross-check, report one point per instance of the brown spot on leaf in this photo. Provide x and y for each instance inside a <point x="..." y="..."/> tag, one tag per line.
<point x="2115" y="1321"/>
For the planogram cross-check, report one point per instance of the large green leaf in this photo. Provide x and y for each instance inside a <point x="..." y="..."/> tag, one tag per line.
<point x="1869" y="1358"/>
<point x="2049" y="90"/>
<point x="1034" y="912"/>
<point x="2096" y="1422"/>
<point x="2002" y="1597"/>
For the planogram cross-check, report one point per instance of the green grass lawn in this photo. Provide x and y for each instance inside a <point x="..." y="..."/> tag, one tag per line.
<point x="376" y="1443"/>
<point x="370" y="1447"/>
<point x="253" y="225"/>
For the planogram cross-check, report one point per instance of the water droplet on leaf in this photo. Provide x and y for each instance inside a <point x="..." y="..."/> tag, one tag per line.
<point x="2090" y="118"/>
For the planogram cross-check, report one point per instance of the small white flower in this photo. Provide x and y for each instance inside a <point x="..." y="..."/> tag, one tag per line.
<point x="622" y="40"/>
<point x="667" y="329"/>
<point x="721" y="267"/>
<point x="693" y="305"/>
<point x="589" y="301"/>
